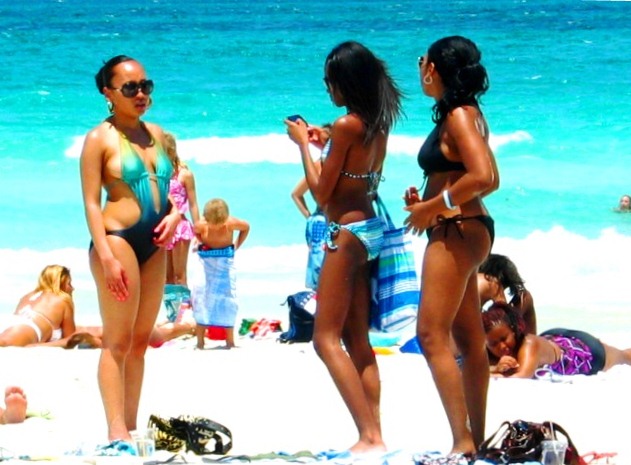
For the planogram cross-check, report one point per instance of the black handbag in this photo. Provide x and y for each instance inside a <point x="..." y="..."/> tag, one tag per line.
<point x="520" y="441"/>
<point x="301" y="321"/>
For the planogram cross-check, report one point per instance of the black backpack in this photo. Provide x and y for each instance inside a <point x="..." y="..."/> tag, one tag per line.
<point x="300" y="319"/>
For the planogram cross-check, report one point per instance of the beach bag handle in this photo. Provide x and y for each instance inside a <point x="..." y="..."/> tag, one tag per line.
<point x="382" y="212"/>
<point x="394" y="280"/>
<point x="520" y="441"/>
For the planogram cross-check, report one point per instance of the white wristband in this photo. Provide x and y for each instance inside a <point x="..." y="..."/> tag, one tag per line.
<point x="447" y="200"/>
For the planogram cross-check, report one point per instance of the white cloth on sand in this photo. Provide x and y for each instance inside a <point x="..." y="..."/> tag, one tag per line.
<point x="215" y="304"/>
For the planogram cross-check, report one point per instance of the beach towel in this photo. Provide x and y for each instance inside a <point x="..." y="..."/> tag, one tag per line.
<point x="315" y="234"/>
<point x="215" y="304"/>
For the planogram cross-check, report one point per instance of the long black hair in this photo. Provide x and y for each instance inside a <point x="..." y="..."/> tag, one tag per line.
<point x="104" y="76"/>
<point x="367" y="87"/>
<point x="504" y="270"/>
<point x="457" y="61"/>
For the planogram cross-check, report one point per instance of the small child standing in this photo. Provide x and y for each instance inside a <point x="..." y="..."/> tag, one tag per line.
<point x="217" y="304"/>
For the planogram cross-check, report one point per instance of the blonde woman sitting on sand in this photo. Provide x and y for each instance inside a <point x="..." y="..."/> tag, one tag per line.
<point x="514" y="354"/>
<point x="45" y="314"/>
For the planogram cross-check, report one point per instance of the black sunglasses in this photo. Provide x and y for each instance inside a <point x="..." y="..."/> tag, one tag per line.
<point x="130" y="89"/>
<point x="421" y="59"/>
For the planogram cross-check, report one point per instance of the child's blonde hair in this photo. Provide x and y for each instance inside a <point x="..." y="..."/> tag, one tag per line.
<point x="216" y="211"/>
<point x="170" y="147"/>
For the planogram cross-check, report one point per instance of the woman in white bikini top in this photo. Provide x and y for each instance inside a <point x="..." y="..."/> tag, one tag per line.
<point x="45" y="314"/>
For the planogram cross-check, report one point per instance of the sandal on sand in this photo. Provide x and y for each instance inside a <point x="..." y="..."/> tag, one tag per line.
<point x="193" y="432"/>
<point x="435" y="458"/>
<point x="116" y="448"/>
<point x="303" y="456"/>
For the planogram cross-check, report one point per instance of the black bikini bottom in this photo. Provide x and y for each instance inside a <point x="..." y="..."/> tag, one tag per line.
<point x="487" y="221"/>
<point x="140" y="236"/>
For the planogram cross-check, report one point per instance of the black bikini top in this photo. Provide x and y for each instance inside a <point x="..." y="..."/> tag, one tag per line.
<point x="432" y="160"/>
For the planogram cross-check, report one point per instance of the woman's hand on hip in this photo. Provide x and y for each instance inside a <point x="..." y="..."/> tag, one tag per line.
<point x="163" y="233"/>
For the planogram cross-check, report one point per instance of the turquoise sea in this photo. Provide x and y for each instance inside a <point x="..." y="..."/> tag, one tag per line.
<point x="228" y="72"/>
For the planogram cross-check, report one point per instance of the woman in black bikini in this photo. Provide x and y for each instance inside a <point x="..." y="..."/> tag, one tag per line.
<point x="460" y="169"/>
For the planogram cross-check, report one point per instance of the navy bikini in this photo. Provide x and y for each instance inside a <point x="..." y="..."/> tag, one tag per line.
<point x="431" y="159"/>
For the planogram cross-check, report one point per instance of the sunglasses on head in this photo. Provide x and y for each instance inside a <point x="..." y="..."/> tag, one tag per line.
<point x="130" y="89"/>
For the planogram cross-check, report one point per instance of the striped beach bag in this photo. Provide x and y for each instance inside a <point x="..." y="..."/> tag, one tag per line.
<point x="394" y="283"/>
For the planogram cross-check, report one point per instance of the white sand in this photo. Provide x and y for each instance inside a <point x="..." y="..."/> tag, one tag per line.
<point x="277" y="397"/>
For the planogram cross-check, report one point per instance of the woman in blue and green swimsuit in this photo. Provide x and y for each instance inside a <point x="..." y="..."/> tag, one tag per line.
<point x="345" y="189"/>
<point x="125" y="157"/>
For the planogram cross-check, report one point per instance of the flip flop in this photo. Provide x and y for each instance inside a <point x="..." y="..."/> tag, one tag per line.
<point x="116" y="448"/>
<point x="435" y="458"/>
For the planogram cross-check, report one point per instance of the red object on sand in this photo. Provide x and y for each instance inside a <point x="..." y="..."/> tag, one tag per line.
<point x="216" y="333"/>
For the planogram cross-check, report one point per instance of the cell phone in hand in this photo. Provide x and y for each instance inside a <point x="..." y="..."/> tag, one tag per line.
<point x="295" y="118"/>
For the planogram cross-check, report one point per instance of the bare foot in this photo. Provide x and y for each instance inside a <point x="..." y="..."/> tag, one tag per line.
<point x="364" y="448"/>
<point x="15" y="401"/>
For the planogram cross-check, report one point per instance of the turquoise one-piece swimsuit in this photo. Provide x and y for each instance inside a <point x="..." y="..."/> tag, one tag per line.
<point x="134" y="173"/>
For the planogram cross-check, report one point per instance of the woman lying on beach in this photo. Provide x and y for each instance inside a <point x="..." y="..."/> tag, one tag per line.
<point x="44" y="315"/>
<point x="497" y="277"/>
<point x="91" y="337"/>
<point x="130" y="230"/>
<point x="351" y="170"/>
<point x="515" y="354"/>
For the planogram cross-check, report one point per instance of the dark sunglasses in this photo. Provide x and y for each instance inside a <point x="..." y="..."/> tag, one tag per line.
<point x="421" y="59"/>
<point x="130" y="89"/>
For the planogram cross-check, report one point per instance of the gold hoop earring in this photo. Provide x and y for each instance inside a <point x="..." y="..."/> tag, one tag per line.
<point x="110" y="107"/>
<point x="428" y="80"/>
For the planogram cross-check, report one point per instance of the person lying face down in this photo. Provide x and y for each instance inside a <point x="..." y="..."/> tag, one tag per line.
<point x="514" y="353"/>
<point x="46" y="314"/>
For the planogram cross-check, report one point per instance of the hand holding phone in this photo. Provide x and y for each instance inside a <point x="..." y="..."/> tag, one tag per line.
<point x="411" y="196"/>
<point x="295" y="118"/>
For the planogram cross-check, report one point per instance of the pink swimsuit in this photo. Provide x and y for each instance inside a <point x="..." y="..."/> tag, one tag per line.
<point x="184" y="230"/>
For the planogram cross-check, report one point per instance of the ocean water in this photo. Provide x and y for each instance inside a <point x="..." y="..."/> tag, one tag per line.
<point x="228" y="72"/>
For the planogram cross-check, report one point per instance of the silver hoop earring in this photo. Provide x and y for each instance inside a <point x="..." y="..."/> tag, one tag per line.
<point x="110" y="107"/>
<point x="428" y="80"/>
